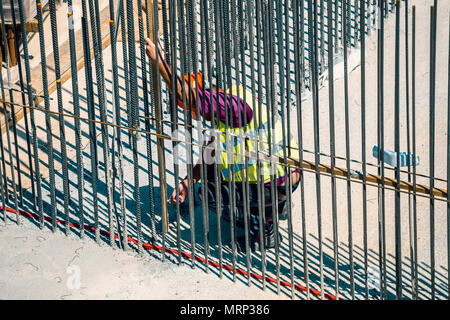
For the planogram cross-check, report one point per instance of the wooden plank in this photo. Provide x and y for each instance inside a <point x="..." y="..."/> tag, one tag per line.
<point x="144" y="24"/>
<point x="159" y="140"/>
<point x="370" y="178"/>
<point x="32" y="26"/>
<point x="64" y="56"/>
<point x="11" y="47"/>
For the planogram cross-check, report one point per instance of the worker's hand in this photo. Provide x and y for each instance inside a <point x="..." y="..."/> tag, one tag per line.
<point x="150" y="49"/>
<point x="182" y="195"/>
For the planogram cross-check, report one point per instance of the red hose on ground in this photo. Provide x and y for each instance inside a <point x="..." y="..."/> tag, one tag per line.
<point x="149" y="246"/>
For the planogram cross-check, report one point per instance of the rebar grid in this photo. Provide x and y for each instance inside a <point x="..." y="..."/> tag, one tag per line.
<point x="287" y="57"/>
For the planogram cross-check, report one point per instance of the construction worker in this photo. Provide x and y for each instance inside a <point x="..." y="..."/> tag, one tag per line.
<point x="227" y="151"/>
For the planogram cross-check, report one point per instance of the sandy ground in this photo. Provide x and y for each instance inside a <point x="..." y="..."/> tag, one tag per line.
<point x="104" y="258"/>
<point x="39" y="264"/>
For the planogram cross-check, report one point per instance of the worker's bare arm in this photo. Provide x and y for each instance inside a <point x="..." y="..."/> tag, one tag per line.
<point x="166" y="73"/>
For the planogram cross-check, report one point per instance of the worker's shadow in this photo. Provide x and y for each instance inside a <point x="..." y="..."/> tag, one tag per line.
<point x="200" y="218"/>
<point x="192" y="231"/>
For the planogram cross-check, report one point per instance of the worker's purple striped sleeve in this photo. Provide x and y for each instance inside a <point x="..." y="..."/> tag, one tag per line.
<point x="219" y="102"/>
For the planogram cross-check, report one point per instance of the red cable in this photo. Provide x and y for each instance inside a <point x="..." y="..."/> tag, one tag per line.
<point x="149" y="246"/>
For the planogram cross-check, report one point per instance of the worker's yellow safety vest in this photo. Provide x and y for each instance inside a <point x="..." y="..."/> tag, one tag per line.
<point x="236" y="143"/>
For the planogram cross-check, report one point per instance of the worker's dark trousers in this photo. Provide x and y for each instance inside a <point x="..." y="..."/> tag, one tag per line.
<point x="239" y="195"/>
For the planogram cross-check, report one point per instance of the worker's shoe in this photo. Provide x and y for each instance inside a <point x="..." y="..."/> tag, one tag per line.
<point x="269" y="235"/>
<point x="255" y="240"/>
<point x="284" y="213"/>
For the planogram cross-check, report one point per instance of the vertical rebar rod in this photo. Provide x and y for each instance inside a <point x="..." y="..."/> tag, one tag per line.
<point x="116" y="22"/>
<point x="51" y="165"/>
<point x="357" y="20"/>
<point x="398" y="232"/>
<point x="145" y="94"/>
<point x="3" y="185"/>
<point x="76" y="107"/>
<point x="414" y="265"/>
<point x="126" y="76"/>
<point x="232" y="163"/>
<point x="380" y="140"/>
<point x="7" y="125"/>
<point x="121" y="15"/>
<point x="408" y="143"/>
<point x="4" y="175"/>
<point x="259" y="144"/>
<point x="3" y="193"/>
<point x="336" y="26"/>
<point x="333" y="149"/>
<point x="312" y="33"/>
<point x="159" y="130"/>
<point x="299" y="76"/>
<point x="117" y="134"/>
<point x="14" y="125"/>
<point x="134" y="103"/>
<point x="322" y="36"/>
<point x="187" y="126"/>
<point x="241" y="72"/>
<point x="211" y="16"/>
<point x="287" y="143"/>
<point x="345" y="23"/>
<point x="201" y="125"/>
<point x="227" y="87"/>
<point x="190" y="100"/>
<point x="3" y="157"/>
<point x="174" y="117"/>
<point x="91" y="115"/>
<point x="165" y="32"/>
<point x="280" y="113"/>
<point x="213" y="6"/>
<point x="100" y="79"/>
<point x="182" y="45"/>
<point x="271" y="117"/>
<point x="33" y="124"/>
<point x="448" y="165"/>
<point x="432" y="145"/>
<point x="244" y="22"/>
<point x="22" y="90"/>
<point x="62" y="131"/>
<point x="277" y="107"/>
<point x="362" y="17"/>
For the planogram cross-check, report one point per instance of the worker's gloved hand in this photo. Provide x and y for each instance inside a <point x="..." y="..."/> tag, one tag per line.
<point x="182" y="195"/>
